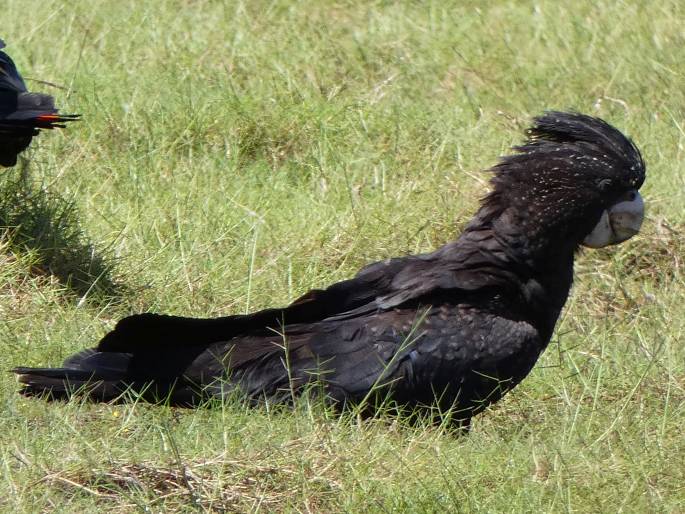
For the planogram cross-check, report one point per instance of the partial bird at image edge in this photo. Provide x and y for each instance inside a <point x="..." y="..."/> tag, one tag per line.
<point x="22" y="113"/>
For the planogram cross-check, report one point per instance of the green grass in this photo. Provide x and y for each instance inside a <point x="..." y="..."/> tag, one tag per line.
<point x="233" y="155"/>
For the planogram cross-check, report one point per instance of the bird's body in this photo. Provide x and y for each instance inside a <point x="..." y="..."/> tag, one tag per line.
<point x="22" y="114"/>
<point x="457" y="327"/>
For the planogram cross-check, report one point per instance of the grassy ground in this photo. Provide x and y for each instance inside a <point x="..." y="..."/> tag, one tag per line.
<point x="236" y="154"/>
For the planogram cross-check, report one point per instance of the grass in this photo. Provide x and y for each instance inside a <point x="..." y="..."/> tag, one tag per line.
<point x="233" y="155"/>
<point x="40" y="223"/>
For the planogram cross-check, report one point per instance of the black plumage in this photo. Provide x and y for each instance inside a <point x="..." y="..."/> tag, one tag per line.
<point x="22" y="114"/>
<point x="459" y="326"/>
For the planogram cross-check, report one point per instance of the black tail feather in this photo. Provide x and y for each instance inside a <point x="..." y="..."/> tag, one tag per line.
<point x="63" y="383"/>
<point x="106" y="377"/>
<point x="87" y="373"/>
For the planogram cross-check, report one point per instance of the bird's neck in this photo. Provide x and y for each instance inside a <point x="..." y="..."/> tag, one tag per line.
<point x="539" y="260"/>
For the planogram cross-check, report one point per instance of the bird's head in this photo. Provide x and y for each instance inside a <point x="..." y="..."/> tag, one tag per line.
<point x="574" y="182"/>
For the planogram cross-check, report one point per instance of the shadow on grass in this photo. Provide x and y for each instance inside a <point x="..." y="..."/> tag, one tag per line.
<point x="46" y="225"/>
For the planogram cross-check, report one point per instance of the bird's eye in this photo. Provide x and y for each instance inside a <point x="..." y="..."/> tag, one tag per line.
<point x="631" y="196"/>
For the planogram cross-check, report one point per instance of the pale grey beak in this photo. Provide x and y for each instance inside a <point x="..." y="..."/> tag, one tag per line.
<point x="619" y="222"/>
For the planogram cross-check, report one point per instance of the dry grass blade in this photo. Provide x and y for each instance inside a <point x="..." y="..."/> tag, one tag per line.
<point x="216" y="485"/>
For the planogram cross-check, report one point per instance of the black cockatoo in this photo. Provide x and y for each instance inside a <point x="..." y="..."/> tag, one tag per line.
<point x="457" y="327"/>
